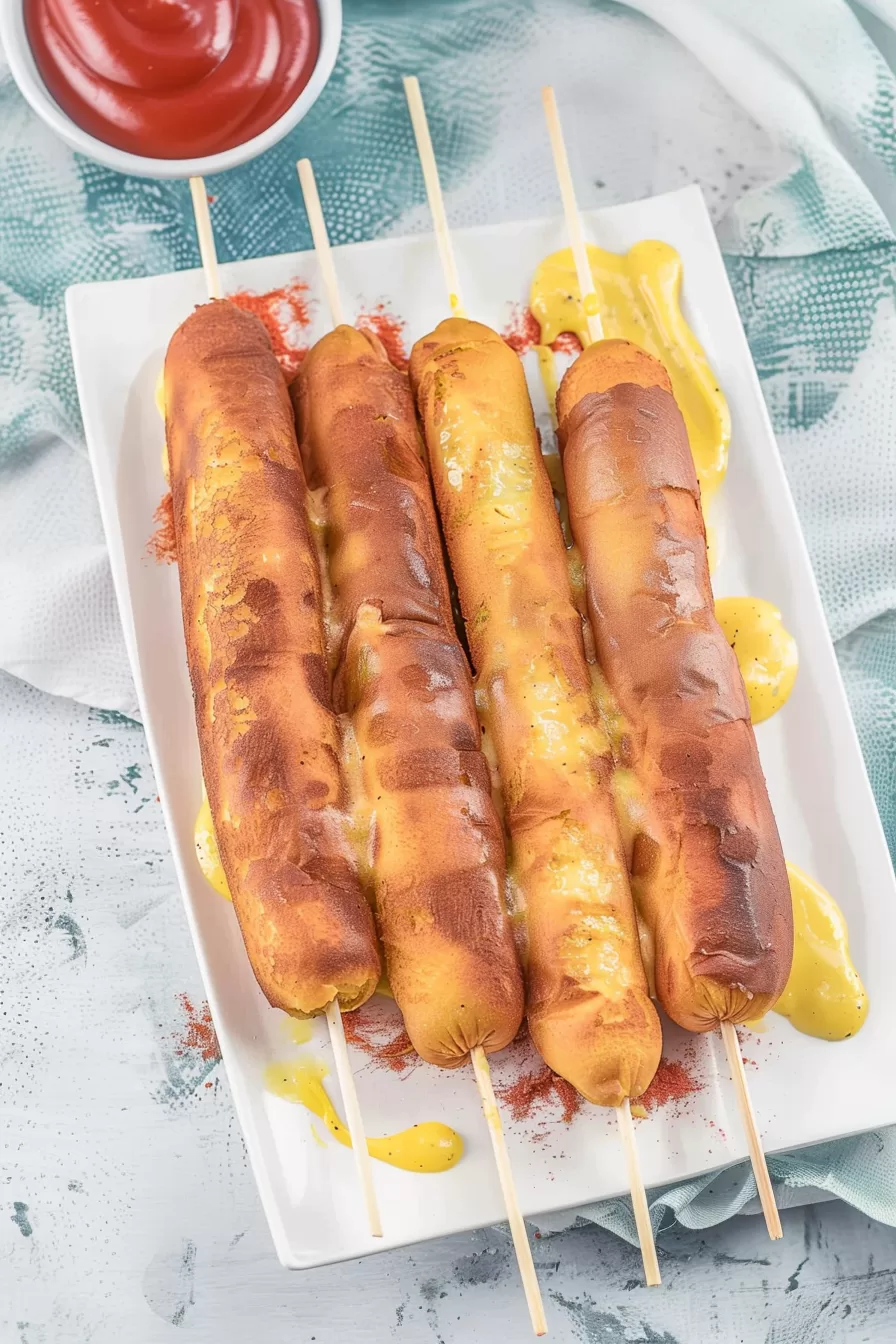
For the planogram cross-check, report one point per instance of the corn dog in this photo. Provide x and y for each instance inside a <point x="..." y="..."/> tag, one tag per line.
<point x="708" y="871"/>
<point x="251" y="596"/>
<point x="589" y="1011"/>
<point x="437" y="853"/>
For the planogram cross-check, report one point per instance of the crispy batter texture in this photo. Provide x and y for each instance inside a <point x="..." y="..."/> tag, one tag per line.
<point x="709" y="877"/>
<point x="589" y="1011"/>
<point x="251" y="597"/>
<point x="437" y="851"/>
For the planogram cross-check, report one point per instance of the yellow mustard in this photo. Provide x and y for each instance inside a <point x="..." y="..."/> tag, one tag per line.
<point x="638" y="296"/>
<point x="428" y="1147"/>
<point x="766" y="651"/>
<point x="824" y="996"/>
<point x="207" y="850"/>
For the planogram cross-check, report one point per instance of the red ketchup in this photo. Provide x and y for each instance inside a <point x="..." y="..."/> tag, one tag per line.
<point x="174" y="79"/>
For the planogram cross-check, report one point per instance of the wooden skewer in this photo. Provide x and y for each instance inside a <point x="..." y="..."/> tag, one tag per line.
<point x="729" y="1035"/>
<point x="333" y="1013"/>
<point x="206" y="237"/>
<point x="573" y="218"/>
<point x="321" y="239"/>
<point x="595" y="333"/>
<point x="478" y="1056"/>
<point x="508" y="1189"/>
<point x="757" y="1156"/>
<point x="353" y="1117"/>
<point x="434" y="192"/>
<point x="639" y="1195"/>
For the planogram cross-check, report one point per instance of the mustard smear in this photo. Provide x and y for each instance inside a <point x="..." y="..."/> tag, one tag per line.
<point x="766" y="651"/>
<point x="824" y="996"/>
<point x="428" y="1147"/>
<point x="207" y="850"/>
<point x="299" y="1030"/>
<point x="638" y="300"/>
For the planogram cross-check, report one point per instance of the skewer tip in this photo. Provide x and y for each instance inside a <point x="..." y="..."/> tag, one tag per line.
<point x="764" y="1186"/>
<point x="589" y="299"/>
<point x="321" y="239"/>
<point x="640" y="1207"/>
<point x="353" y="1116"/>
<point x="205" y="236"/>
<point x="426" y="155"/>
<point x="479" y="1060"/>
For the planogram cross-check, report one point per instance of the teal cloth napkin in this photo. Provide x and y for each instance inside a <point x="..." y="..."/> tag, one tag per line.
<point x="783" y="110"/>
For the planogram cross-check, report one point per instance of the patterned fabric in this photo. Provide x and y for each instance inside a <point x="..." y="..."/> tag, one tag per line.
<point x="783" y="110"/>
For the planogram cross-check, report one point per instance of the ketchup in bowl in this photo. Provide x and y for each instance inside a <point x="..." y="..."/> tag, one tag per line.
<point x="174" y="79"/>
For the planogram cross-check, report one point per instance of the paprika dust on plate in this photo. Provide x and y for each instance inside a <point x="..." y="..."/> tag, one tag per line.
<point x="174" y="79"/>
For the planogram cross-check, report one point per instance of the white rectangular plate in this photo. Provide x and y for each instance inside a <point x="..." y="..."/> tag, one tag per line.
<point x="804" y="1090"/>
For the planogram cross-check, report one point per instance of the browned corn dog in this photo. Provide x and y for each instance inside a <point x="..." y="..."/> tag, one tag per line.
<point x="251" y="596"/>
<point x="708" y="871"/>
<point x="437" y="853"/>
<point x="589" y="1011"/>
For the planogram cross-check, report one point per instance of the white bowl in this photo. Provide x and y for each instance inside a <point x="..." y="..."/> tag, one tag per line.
<point x="24" y="71"/>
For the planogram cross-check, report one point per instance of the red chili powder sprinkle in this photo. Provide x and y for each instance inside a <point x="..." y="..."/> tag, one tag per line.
<point x="533" y="1091"/>
<point x="522" y="331"/>
<point x="285" y="315"/>
<point x="390" y="328"/>
<point x="386" y="1043"/>
<point x="567" y="343"/>
<point x="672" y="1082"/>
<point x="162" y="545"/>
<point x="198" y="1032"/>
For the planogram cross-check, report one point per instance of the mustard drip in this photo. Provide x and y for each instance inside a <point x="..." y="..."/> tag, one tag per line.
<point x="429" y="1146"/>
<point x="766" y="651"/>
<point x="547" y="365"/>
<point x="824" y="996"/>
<point x="298" y="1029"/>
<point x="554" y="468"/>
<point x="207" y="850"/>
<point x="638" y="300"/>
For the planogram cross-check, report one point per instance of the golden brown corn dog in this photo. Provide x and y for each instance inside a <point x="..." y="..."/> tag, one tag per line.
<point x="437" y="854"/>
<point x="589" y="1011"/>
<point x="710" y="878"/>
<point x="251" y="596"/>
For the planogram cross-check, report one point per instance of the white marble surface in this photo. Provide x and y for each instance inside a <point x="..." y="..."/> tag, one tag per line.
<point x="128" y="1212"/>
